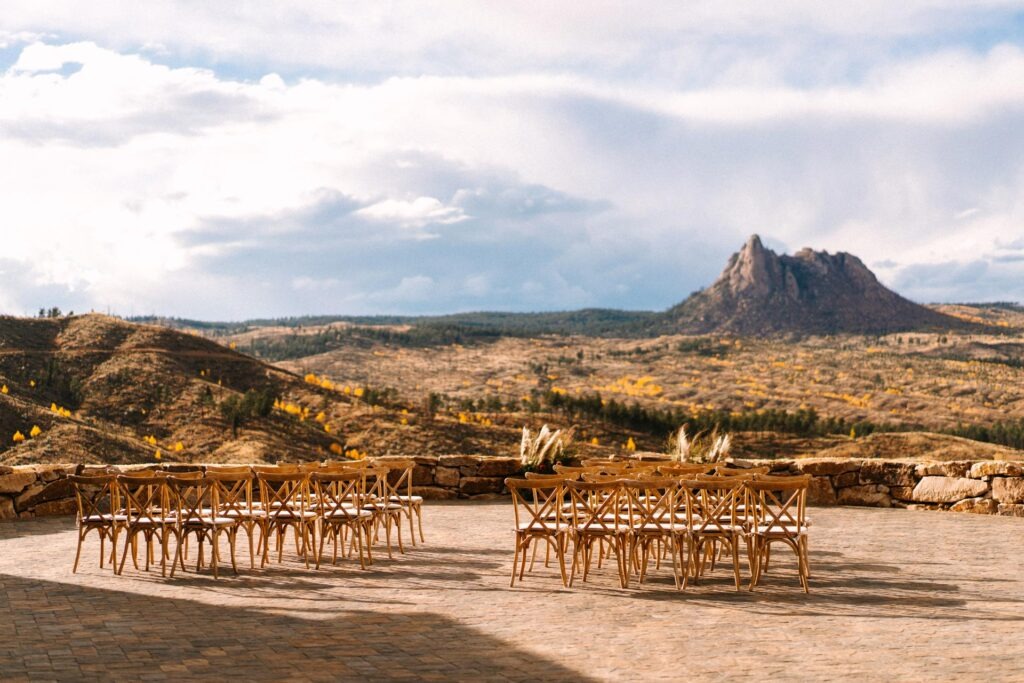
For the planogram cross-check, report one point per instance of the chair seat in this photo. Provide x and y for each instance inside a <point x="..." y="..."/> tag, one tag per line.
<point x="536" y="526"/>
<point x="348" y="513"/>
<point x="382" y="506"/>
<point x="719" y="530"/>
<point x="243" y="514"/>
<point x="208" y="521"/>
<point x="655" y="527"/>
<point x="780" y="530"/>
<point x="408" y="499"/>
<point x="106" y="517"/>
<point x="290" y="514"/>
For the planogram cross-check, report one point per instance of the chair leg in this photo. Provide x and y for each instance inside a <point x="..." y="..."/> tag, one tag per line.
<point x="560" y="550"/>
<point x="515" y="563"/>
<point x="419" y="521"/>
<point x="735" y="542"/>
<point x="78" y="553"/>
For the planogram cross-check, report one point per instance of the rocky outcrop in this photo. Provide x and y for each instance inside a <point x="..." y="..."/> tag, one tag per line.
<point x="809" y="292"/>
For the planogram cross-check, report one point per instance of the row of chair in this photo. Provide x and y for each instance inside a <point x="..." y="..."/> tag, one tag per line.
<point x="350" y="503"/>
<point x="640" y="513"/>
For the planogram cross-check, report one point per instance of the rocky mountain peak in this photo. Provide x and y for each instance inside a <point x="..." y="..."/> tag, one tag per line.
<point x="811" y="292"/>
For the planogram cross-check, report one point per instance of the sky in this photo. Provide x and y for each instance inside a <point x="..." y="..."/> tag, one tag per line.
<point x="238" y="160"/>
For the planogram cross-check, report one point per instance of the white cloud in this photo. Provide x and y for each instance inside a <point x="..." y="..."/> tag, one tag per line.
<point x="523" y="156"/>
<point x="417" y="213"/>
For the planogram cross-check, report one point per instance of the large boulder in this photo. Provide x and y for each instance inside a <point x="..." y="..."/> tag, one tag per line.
<point x="16" y="482"/>
<point x="888" y="473"/>
<point x="870" y="495"/>
<point x="1008" y="489"/>
<point x="820" y="492"/>
<point x="471" y="486"/>
<point x="981" y="506"/>
<point x="936" y="489"/>
<point x="996" y="468"/>
<point x="826" y="466"/>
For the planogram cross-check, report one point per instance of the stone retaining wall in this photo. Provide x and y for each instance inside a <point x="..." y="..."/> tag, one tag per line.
<point x="988" y="487"/>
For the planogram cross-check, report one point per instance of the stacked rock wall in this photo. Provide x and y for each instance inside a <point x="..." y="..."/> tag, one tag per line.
<point x="986" y="486"/>
<point x="989" y="486"/>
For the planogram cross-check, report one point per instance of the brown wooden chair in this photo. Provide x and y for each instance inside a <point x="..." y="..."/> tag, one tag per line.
<point x="537" y="506"/>
<point x="144" y="501"/>
<point x="196" y="513"/>
<point x="386" y="513"/>
<point x="598" y="518"/>
<point x="654" y="523"/>
<point x="284" y="498"/>
<point x="712" y="519"/>
<point x="779" y="516"/>
<point x="234" y="493"/>
<point x="399" y="484"/>
<point x="97" y="503"/>
<point x="340" y="505"/>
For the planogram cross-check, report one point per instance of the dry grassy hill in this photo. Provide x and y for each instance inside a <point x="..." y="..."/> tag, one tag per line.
<point x="99" y="389"/>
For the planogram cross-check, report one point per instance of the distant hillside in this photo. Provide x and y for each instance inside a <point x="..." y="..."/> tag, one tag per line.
<point x="809" y="292"/>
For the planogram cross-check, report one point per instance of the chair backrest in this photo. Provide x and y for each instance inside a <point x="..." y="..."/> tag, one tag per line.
<point x="399" y="479"/>
<point x="96" y="496"/>
<point x="376" y="486"/>
<point x="712" y="503"/>
<point x="283" y="492"/>
<point x="191" y="498"/>
<point x="539" y="476"/>
<point x="653" y="503"/>
<point x="779" y="501"/>
<point x="144" y="498"/>
<point x="679" y="469"/>
<point x="280" y="468"/>
<point x="726" y="471"/>
<point x="338" y="492"/>
<point x="233" y="490"/>
<point x="597" y="506"/>
<point x="567" y="469"/>
<point x="229" y="469"/>
<point x="537" y="504"/>
<point x="344" y="465"/>
<point x="604" y="462"/>
<point x="605" y="476"/>
<point x="308" y="466"/>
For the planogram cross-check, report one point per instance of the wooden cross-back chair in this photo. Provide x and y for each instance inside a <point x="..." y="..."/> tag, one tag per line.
<point x="399" y="485"/>
<point x="197" y="514"/>
<point x="598" y="518"/>
<point x="655" y="522"/>
<point x="340" y="503"/>
<point x="712" y="509"/>
<point x="234" y="493"/>
<point x="386" y="513"/>
<point x="97" y="502"/>
<point x="284" y="498"/>
<point x="779" y="507"/>
<point x="144" y="504"/>
<point x="539" y="516"/>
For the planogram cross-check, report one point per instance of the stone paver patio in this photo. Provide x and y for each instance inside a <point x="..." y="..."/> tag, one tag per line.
<point x="896" y="595"/>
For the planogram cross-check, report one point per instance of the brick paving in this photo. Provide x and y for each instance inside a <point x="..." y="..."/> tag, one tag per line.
<point x="896" y="595"/>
